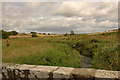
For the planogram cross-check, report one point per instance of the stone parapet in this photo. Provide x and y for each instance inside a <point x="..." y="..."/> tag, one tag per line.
<point x="12" y="71"/>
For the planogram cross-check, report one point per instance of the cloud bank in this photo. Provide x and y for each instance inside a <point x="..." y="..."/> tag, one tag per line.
<point x="60" y="17"/>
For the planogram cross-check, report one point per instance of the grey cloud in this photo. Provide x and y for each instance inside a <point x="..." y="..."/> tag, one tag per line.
<point x="59" y="17"/>
<point x="96" y="10"/>
<point x="58" y="30"/>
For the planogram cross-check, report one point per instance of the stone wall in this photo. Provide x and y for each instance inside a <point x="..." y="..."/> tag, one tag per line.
<point x="37" y="72"/>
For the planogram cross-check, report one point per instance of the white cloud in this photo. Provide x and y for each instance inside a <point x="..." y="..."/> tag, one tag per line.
<point x="33" y="4"/>
<point x="99" y="10"/>
<point x="60" y="17"/>
<point x="108" y="23"/>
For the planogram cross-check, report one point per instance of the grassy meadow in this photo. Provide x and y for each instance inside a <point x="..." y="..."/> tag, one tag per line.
<point x="64" y="50"/>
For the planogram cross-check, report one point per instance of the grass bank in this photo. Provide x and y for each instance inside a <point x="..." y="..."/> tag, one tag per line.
<point x="39" y="52"/>
<point x="65" y="50"/>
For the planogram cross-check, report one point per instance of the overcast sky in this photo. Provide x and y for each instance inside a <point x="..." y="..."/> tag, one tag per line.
<point x="60" y="17"/>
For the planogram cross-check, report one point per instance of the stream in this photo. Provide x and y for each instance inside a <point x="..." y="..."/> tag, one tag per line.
<point x="86" y="62"/>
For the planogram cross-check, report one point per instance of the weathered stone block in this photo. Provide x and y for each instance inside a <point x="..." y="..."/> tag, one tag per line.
<point x="24" y="67"/>
<point x="119" y="74"/>
<point x="63" y="73"/>
<point x="30" y="72"/>
<point x="23" y="71"/>
<point x="42" y="71"/>
<point x="8" y="70"/>
<point x="106" y="74"/>
<point x="83" y="73"/>
<point x="10" y="65"/>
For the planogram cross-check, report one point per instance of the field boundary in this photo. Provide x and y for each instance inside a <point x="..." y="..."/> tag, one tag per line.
<point x="23" y="71"/>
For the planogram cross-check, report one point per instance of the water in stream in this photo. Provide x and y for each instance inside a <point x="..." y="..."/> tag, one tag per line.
<point x="86" y="62"/>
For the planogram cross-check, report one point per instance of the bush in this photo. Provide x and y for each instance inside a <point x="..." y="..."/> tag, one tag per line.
<point x="48" y="33"/>
<point x="65" y="34"/>
<point x="14" y="32"/>
<point x="106" y="57"/>
<point x="5" y="35"/>
<point x="33" y="32"/>
<point x="79" y="44"/>
<point x="44" y="33"/>
<point x="103" y="34"/>
<point x="86" y="48"/>
<point x="34" y="35"/>
<point x="71" y="32"/>
<point x="94" y="41"/>
<point x="22" y="34"/>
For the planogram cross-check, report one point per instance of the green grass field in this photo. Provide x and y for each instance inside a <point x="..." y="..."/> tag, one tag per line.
<point x="65" y="50"/>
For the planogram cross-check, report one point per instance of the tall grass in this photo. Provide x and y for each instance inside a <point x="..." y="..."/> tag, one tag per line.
<point x="65" y="50"/>
<point x="38" y="52"/>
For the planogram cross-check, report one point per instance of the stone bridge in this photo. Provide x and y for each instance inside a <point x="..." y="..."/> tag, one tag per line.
<point x="12" y="71"/>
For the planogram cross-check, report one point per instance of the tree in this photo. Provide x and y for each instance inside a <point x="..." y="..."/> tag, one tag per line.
<point x="39" y="33"/>
<point x="44" y="33"/>
<point x="65" y="34"/>
<point x="34" y="35"/>
<point x="71" y="32"/>
<point x="14" y="32"/>
<point x="48" y="33"/>
<point x="33" y="32"/>
<point x="5" y="35"/>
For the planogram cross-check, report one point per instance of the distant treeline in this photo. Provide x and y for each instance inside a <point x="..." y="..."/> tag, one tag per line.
<point x="6" y="34"/>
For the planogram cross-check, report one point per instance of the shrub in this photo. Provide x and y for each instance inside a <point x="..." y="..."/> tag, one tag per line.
<point x="71" y="32"/>
<point x="22" y="34"/>
<point x="65" y="34"/>
<point x="14" y="32"/>
<point x="86" y="48"/>
<point x="34" y="35"/>
<point x="44" y="33"/>
<point x="79" y="44"/>
<point x="48" y="33"/>
<point x="106" y="57"/>
<point x="94" y="41"/>
<point x="103" y="34"/>
<point x="33" y="32"/>
<point x="5" y="35"/>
